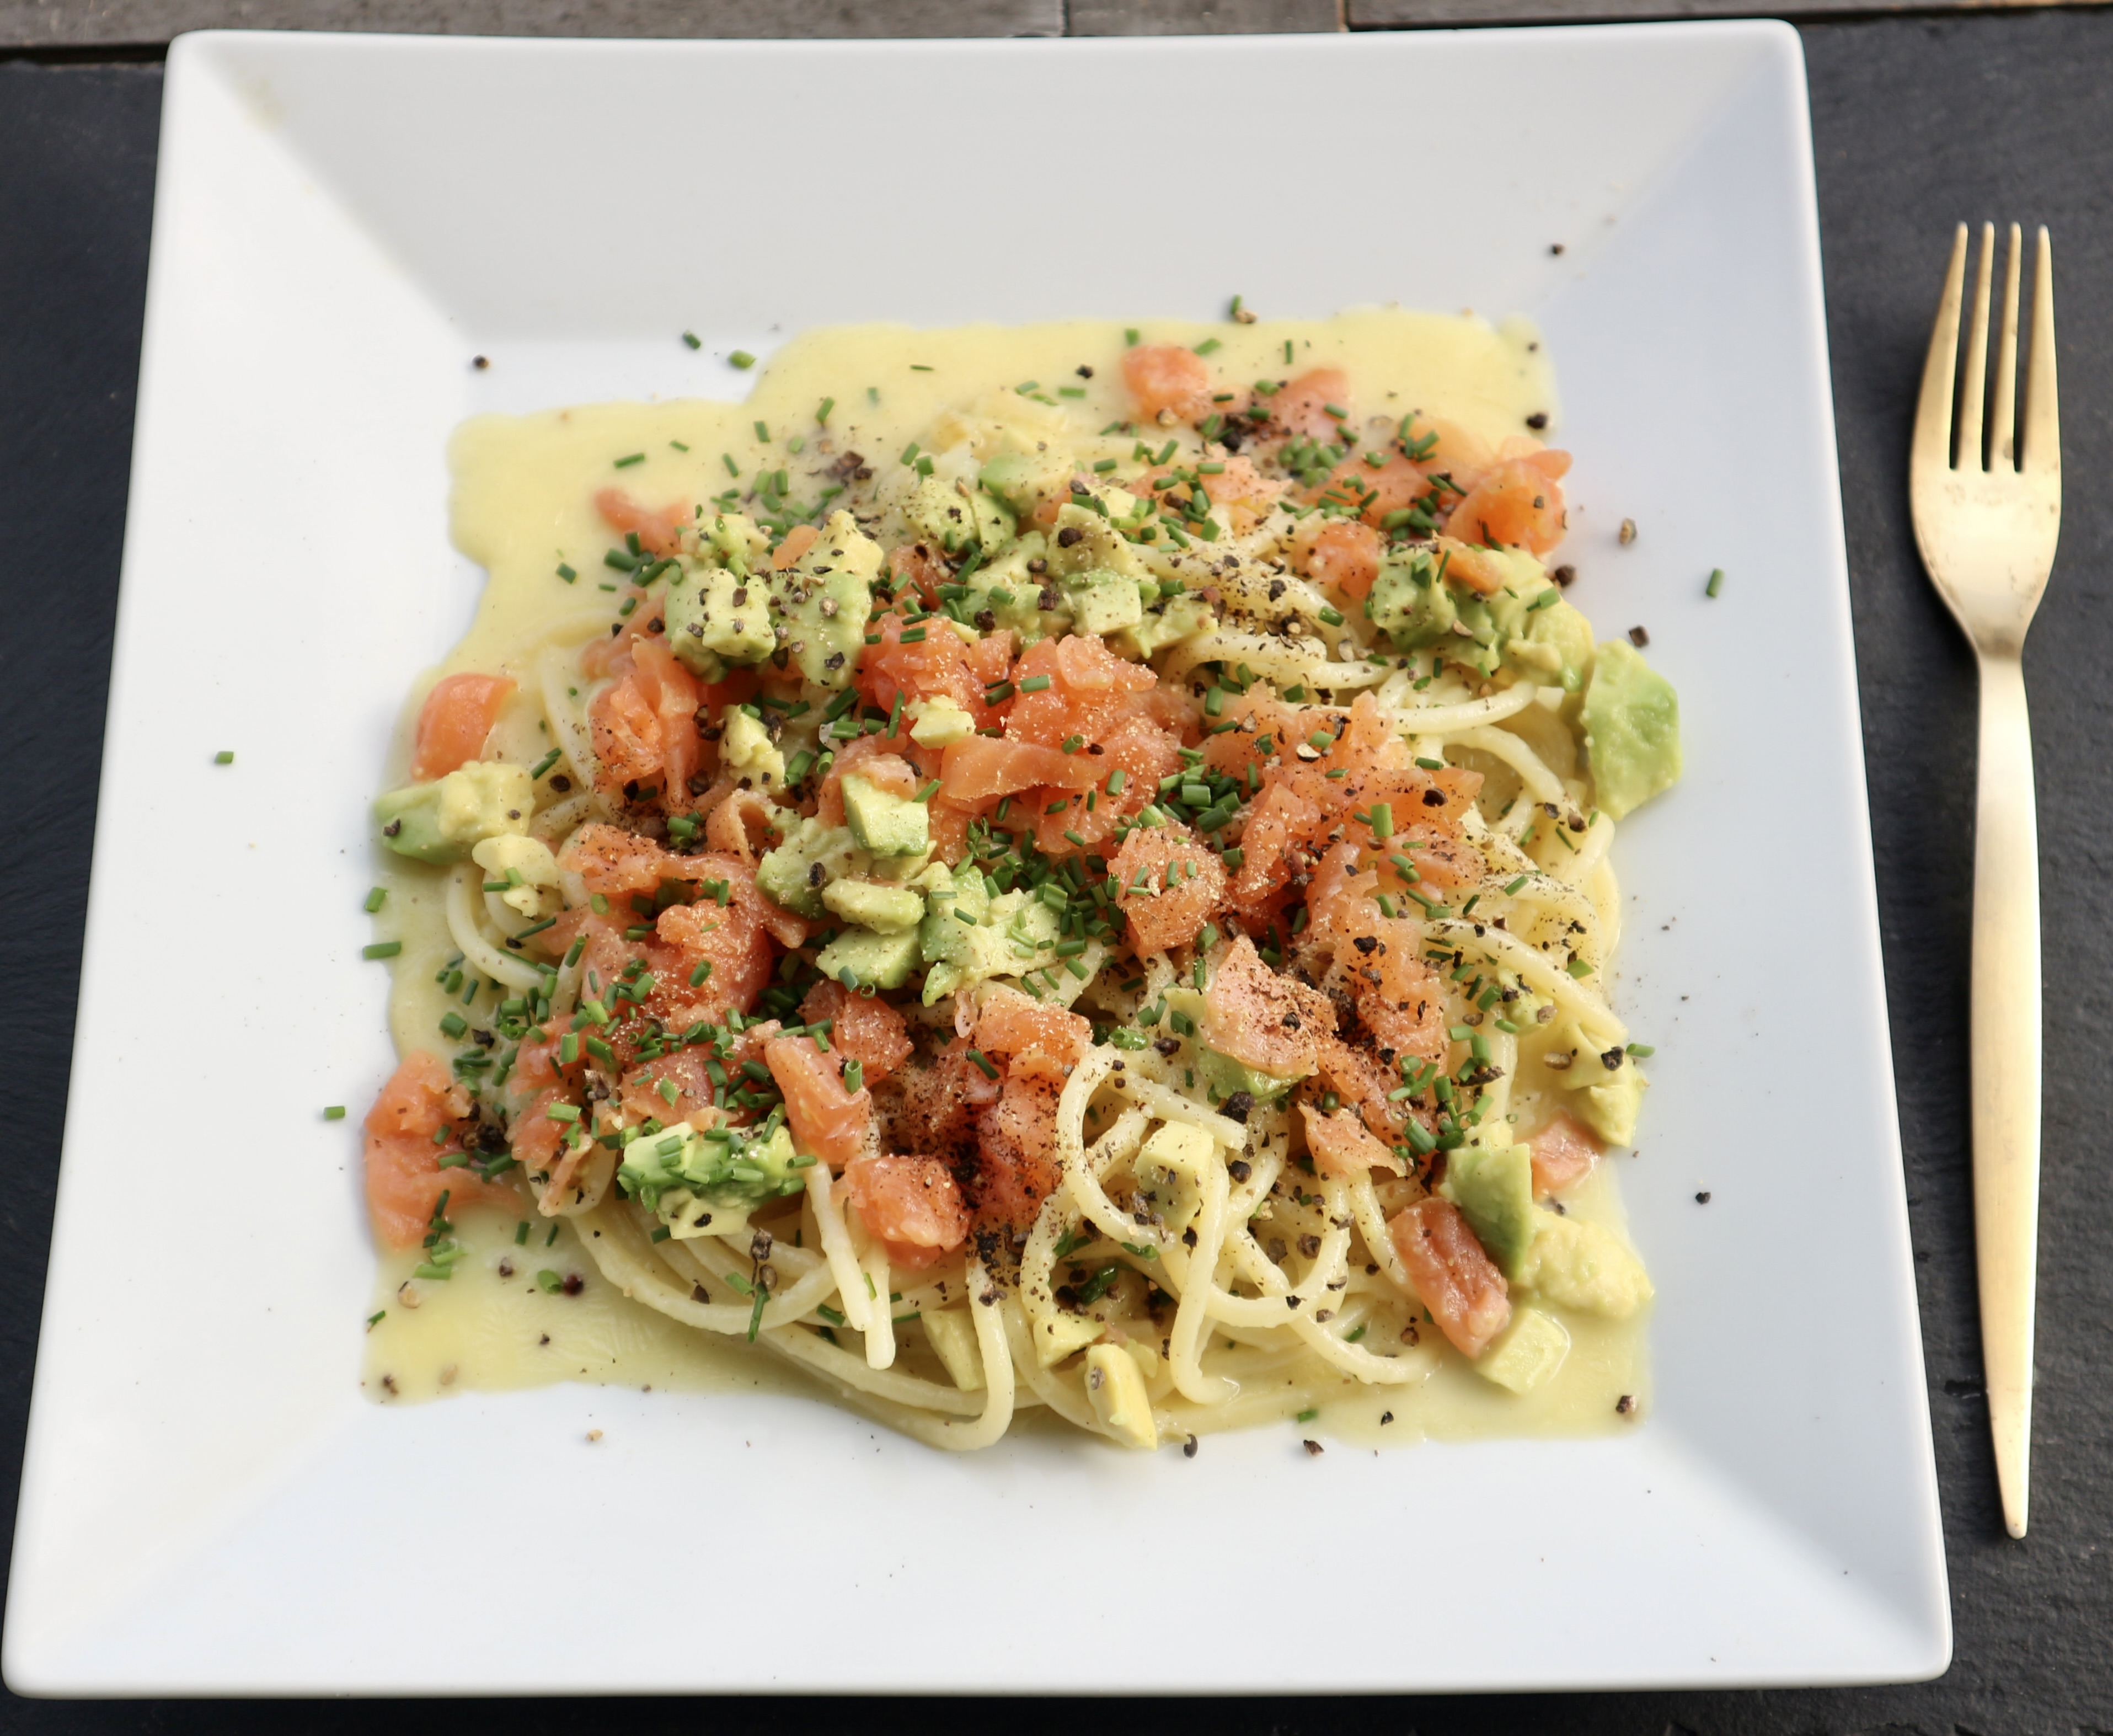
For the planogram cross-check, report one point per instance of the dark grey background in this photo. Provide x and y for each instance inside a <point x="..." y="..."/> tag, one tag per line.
<point x="1919" y="121"/>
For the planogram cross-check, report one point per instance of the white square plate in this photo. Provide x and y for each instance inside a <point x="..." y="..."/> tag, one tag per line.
<point x="209" y="1504"/>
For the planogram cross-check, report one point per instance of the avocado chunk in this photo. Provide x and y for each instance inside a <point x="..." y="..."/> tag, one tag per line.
<point x="944" y="936"/>
<point x="1556" y="648"/>
<point x="1163" y="624"/>
<point x="794" y="874"/>
<point x="1528" y="1351"/>
<point x="1493" y="1186"/>
<point x="1631" y="729"/>
<point x="715" y="617"/>
<point x="746" y="747"/>
<point x="441" y="821"/>
<point x="706" y="1184"/>
<point x="1085" y="542"/>
<point x="874" y="961"/>
<point x="1013" y="595"/>
<point x="886" y="910"/>
<point x="1116" y="1387"/>
<point x="954" y="520"/>
<point x="888" y="825"/>
<point x="1524" y="626"/>
<point x="1014" y="935"/>
<point x="1022" y="481"/>
<point x="1580" y="1265"/>
<point x="1102" y="601"/>
<point x="1609" y="1105"/>
<point x="1409" y="603"/>
<point x="823" y="600"/>
<point x="939" y="722"/>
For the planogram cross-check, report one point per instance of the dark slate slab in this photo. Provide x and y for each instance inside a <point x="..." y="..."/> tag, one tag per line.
<point x="1918" y="122"/>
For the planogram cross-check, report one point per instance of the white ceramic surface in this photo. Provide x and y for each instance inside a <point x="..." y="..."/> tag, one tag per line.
<point x="342" y="223"/>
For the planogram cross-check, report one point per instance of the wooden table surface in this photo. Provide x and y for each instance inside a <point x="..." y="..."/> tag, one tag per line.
<point x="101" y="26"/>
<point x="1919" y="121"/>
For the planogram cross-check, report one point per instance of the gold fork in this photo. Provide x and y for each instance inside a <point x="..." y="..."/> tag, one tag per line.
<point x="1986" y="526"/>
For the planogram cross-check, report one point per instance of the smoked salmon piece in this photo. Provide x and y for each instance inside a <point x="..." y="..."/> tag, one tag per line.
<point x="1564" y="1154"/>
<point x="1167" y="885"/>
<point x="1455" y="1279"/>
<point x="1165" y="376"/>
<point x="404" y="1179"/>
<point x="912" y="1204"/>
<point x="1341" y="1147"/>
<point x="863" y="1027"/>
<point x="457" y="716"/>
<point x="827" y="1122"/>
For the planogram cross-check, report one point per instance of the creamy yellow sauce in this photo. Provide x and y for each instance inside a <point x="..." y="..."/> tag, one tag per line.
<point x="522" y="505"/>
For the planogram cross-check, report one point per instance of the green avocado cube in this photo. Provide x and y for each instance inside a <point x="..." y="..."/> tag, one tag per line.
<point x="824" y="600"/>
<point x="1023" y="480"/>
<point x="795" y="873"/>
<point x="886" y="910"/>
<point x="1410" y="604"/>
<point x="441" y="821"/>
<point x="715" y="617"/>
<point x="953" y="520"/>
<point x="1631" y="729"/>
<point x="1493" y="1186"/>
<point x="945" y="934"/>
<point x="1102" y="601"/>
<point x="1528" y="1351"/>
<point x="1014" y="935"/>
<point x="1161" y="625"/>
<point x="1609" y="1106"/>
<point x="875" y="961"/>
<point x="885" y="824"/>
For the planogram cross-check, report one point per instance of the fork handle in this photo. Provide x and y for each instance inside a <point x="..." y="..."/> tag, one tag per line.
<point x="2007" y="1068"/>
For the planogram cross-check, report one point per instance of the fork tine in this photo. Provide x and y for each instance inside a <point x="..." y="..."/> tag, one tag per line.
<point x="2042" y="452"/>
<point x="2002" y="433"/>
<point x="1973" y="387"/>
<point x="1930" y="448"/>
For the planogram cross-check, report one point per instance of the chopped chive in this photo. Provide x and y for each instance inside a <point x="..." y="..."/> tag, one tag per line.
<point x="741" y="358"/>
<point x="1382" y="818"/>
<point x="1642" y="1051"/>
<point x="1332" y="616"/>
<point x="335" y="1112"/>
<point x="566" y="571"/>
<point x="376" y="897"/>
<point x="982" y="1063"/>
<point x="625" y="463"/>
<point x="1034" y="684"/>
<point x="224" y="757"/>
<point x="1129" y="337"/>
<point x="822" y="413"/>
<point x="693" y="340"/>
<point x="1511" y="890"/>
<point x="546" y="762"/>
<point x="382" y="949"/>
<point x="1716" y="581"/>
<point x="1207" y="345"/>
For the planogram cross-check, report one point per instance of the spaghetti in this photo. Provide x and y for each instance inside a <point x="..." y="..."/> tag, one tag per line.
<point x="1106" y="923"/>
